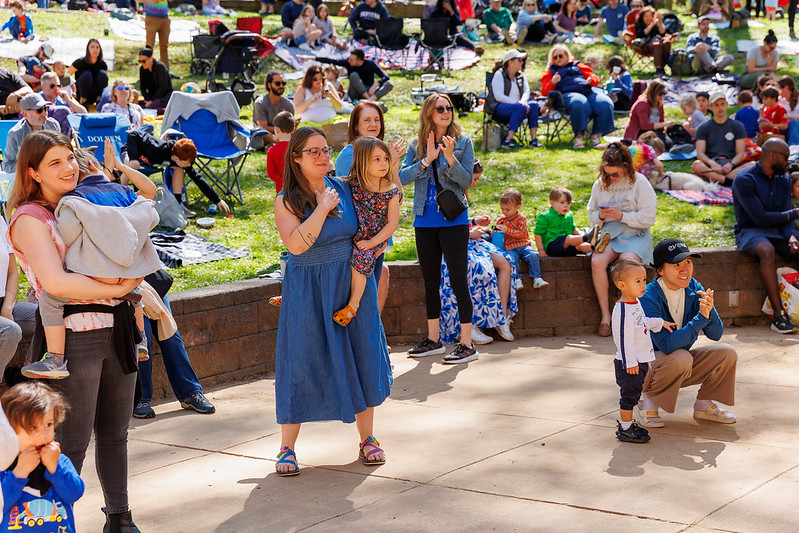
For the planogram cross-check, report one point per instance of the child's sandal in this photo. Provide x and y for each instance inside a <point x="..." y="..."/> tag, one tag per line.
<point x="276" y="300"/>
<point x="374" y="449"/>
<point x="283" y="458"/>
<point x="344" y="316"/>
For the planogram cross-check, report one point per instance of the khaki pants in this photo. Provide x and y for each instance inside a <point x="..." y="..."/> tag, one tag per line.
<point x="711" y="366"/>
<point x="160" y="26"/>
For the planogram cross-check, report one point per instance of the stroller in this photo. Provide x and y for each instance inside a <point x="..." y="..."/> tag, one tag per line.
<point x="463" y="102"/>
<point x="230" y="52"/>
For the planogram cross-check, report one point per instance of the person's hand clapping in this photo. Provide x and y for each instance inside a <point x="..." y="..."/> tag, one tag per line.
<point x="397" y="149"/>
<point x="448" y="148"/>
<point x="705" y="302"/>
<point x="109" y="155"/>
<point x="327" y="199"/>
<point x="432" y="149"/>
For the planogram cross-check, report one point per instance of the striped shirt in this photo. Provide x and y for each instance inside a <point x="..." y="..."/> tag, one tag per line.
<point x="517" y="234"/>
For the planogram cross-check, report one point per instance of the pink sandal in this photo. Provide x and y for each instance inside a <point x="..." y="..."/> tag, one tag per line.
<point x="374" y="448"/>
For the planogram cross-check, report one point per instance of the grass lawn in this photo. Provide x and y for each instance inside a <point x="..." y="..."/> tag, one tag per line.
<point x="533" y="172"/>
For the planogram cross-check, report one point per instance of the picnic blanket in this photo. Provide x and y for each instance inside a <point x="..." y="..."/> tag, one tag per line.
<point x="721" y="197"/>
<point x="66" y="49"/>
<point x="666" y="156"/>
<point x="180" y="30"/>
<point x="177" y="248"/>
<point x="407" y="59"/>
<point x="783" y="47"/>
<point x="676" y="88"/>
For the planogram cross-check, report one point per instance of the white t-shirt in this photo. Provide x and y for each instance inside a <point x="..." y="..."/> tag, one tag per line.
<point x="675" y="301"/>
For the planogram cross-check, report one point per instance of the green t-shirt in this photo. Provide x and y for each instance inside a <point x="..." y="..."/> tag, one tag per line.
<point x="502" y="18"/>
<point x="551" y="225"/>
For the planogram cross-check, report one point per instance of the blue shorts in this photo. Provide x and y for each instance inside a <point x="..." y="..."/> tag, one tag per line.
<point x="556" y="249"/>
<point x="748" y="238"/>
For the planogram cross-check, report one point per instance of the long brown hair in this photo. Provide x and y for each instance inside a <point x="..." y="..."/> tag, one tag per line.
<point x="362" y="150"/>
<point x="565" y="4"/>
<point x="355" y="118"/>
<point x="33" y="149"/>
<point x="639" y="20"/>
<point x="426" y="123"/>
<point x="655" y="88"/>
<point x="313" y="70"/>
<point x="616" y="155"/>
<point x="297" y="194"/>
<point x="787" y="81"/>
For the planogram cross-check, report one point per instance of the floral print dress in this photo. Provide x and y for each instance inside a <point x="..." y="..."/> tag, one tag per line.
<point x="372" y="210"/>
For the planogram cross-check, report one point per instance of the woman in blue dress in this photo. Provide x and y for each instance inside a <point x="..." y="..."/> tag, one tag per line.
<point x="323" y="371"/>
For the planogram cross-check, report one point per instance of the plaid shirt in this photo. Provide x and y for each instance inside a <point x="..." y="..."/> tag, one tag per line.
<point x="516" y="235"/>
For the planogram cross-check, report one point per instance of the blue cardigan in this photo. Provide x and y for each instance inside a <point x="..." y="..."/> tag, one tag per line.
<point x="655" y="305"/>
<point x="15" y="27"/>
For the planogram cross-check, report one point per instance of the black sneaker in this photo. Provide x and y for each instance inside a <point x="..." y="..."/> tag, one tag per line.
<point x="535" y="143"/>
<point x="427" y="347"/>
<point x="783" y="324"/>
<point x="591" y="235"/>
<point x="634" y="433"/>
<point x="199" y="403"/>
<point x="510" y="144"/>
<point x="461" y="354"/>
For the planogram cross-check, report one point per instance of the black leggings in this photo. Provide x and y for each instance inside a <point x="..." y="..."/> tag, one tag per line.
<point x="452" y="242"/>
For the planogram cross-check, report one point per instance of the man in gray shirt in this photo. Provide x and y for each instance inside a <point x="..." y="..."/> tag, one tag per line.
<point x="720" y="145"/>
<point x="270" y="104"/>
<point x="34" y="113"/>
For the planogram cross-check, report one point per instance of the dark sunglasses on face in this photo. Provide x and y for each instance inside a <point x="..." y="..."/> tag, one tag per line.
<point x="440" y="109"/>
<point x="123" y="88"/>
<point x="53" y="86"/>
<point x="318" y="79"/>
<point x="40" y="110"/>
<point x="278" y="83"/>
<point x="142" y="61"/>
<point x="558" y="56"/>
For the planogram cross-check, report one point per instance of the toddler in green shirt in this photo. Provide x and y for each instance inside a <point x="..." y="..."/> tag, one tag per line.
<point x="555" y="232"/>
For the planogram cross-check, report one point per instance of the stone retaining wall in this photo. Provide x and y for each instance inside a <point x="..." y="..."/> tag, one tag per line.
<point x="230" y="330"/>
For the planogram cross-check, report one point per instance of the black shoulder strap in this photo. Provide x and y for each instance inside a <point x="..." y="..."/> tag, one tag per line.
<point x="434" y="165"/>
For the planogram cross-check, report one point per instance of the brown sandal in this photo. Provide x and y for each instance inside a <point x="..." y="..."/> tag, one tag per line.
<point x="344" y="316"/>
<point x="276" y="300"/>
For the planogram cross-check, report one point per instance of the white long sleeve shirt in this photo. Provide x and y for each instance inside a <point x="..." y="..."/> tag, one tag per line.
<point x="631" y="333"/>
<point x="498" y="90"/>
<point x="636" y="200"/>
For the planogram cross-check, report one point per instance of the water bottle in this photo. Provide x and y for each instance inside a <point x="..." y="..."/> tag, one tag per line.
<point x="212" y="210"/>
<point x="498" y="239"/>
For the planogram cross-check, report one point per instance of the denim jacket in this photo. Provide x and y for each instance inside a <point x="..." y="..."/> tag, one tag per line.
<point x="456" y="178"/>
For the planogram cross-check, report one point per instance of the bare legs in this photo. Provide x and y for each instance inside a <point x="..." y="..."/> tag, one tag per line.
<point x="599" y="273"/>
<point x="503" y="270"/>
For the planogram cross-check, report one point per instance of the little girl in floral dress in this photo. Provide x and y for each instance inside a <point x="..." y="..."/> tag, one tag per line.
<point x="377" y="200"/>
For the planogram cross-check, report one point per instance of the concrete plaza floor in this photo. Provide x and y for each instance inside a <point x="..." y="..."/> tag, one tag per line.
<point x="521" y="440"/>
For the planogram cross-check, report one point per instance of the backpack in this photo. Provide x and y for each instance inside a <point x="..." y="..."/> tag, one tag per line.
<point x="680" y="64"/>
<point x="739" y="19"/>
<point x="672" y="23"/>
<point x="169" y="212"/>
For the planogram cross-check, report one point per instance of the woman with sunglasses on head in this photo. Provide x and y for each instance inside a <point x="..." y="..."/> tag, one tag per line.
<point x="91" y="73"/>
<point x="323" y="371"/>
<point x="624" y="205"/>
<point x="316" y="100"/>
<point x="120" y="104"/>
<point x="759" y="60"/>
<point x="576" y="88"/>
<point x="441" y="158"/>
<point x="154" y="81"/>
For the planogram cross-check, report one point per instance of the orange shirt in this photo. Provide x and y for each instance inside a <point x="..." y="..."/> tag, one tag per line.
<point x="517" y="234"/>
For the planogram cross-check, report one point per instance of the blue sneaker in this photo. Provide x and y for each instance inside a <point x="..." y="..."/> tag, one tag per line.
<point x="48" y="367"/>
<point x="781" y="324"/>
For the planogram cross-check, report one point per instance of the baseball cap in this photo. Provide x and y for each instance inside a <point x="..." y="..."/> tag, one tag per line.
<point x="716" y="96"/>
<point x="47" y="48"/>
<point x="32" y="102"/>
<point x="671" y="251"/>
<point x="703" y="17"/>
<point x="513" y="54"/>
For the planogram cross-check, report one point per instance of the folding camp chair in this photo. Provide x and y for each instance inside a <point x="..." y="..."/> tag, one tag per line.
<point x="93" y="129"/>
<point x="211" y="121"/>
<point x="5" y="127"/>
<point x="437" y="41"/>
<point x="633" y="55"/>
<point x="522" y="134"/>
<point x="389" y="36"/>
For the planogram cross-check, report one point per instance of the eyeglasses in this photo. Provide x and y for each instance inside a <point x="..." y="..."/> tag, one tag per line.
<point x="40" y="110"/>
<point x="278" y="83"/>
<point x="123" y="88"/>
<point x="614" y="175"/>
<point x="318" y="79"/>
<point x="315" y="153"/>
<point x="440" y="109"/>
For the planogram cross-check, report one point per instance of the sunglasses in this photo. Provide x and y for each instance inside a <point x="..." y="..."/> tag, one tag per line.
<point x="614" y="175"/>
<point x="123" y="88"/>
<point x="440" y="109"/>
<point x="558" y="56"/>
<point x="278" y="83"/>
<point x="142" y="61"/>
<point x="40" y="110"/>
<point x="318" y="79"/>
<point x="315" y="153"/>
<point x="53" y="85"/>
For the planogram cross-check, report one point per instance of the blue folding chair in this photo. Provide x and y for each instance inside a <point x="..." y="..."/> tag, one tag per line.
<point x="93" y="129"/>
<point x="5" y="127"/>
<point x="6" y="180"/>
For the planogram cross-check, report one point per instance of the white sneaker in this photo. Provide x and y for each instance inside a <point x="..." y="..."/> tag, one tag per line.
<point x="518" y="284"/>
<point x="539" y="283"/>
<point x="504" y="331"/>
<point x="478" y="337"/>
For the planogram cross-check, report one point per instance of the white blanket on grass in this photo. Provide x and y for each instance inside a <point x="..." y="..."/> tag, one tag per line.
<point x="180" y="31"/>
<point x="784" y="47"/>
<point x="67" y="49"/>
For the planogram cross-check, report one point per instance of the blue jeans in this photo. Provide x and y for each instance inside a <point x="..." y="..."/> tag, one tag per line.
<point x="581" y="108"/>
<point x="513" y="114"/>
<point x="181" y="375"/>
<point x="529" y="256"/>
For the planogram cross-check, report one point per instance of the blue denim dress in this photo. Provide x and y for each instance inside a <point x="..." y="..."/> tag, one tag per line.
<point x="325" y="371"/>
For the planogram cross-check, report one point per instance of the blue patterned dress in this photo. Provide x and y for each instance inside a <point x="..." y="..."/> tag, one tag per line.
<point x="483" y="289"/>
<point x="325" y="371"/>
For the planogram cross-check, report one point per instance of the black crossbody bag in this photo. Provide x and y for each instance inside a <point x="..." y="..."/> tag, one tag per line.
<point x="448" y="202"/>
